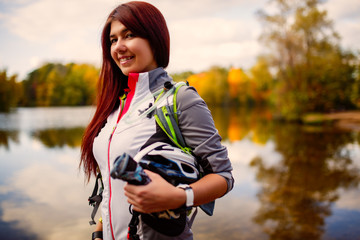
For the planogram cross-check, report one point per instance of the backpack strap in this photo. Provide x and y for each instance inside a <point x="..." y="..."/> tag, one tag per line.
<point x="96" y="197"/>
<point x="167" y="119"/>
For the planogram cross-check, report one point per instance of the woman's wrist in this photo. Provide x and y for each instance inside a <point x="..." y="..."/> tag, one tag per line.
<point x="179" y="199"/>
<point x="189" y="194"/>
<point x="98" y="227"/>
<point x="97" y="235"/>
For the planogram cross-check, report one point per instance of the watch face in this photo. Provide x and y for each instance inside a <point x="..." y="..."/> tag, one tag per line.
<point x="184" y="186"/>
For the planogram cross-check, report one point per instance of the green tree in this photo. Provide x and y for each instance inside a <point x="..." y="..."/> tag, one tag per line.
<point x="181" y="77"/>
<point x="79" y="86"/>
<point x="313" y="72"/>
<point x="10" y="91"/>
<point x="42" y="83"/>
<point x="262" y="80"/>
<point x="56" y="84"/>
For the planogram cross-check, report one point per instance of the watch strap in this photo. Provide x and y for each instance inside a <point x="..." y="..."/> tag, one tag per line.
<point x="189" y="194"/>
<point x="98" y="234"/>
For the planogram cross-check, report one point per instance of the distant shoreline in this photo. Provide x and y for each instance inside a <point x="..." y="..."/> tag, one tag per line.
<point x="347" y="120"/>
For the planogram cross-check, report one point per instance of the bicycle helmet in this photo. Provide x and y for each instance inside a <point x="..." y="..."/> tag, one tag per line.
<point x="173" y="164"/>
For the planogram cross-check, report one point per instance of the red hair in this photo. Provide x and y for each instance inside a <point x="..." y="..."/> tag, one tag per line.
<point x="145" y="21"/>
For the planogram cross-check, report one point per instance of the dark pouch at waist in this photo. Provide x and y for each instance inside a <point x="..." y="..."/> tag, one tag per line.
<point x="169" y="227"/>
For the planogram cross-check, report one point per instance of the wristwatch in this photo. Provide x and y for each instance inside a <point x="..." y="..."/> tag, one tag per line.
<point x="189" y="194"/>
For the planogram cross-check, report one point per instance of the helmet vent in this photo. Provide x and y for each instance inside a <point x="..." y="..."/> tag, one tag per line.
<point x="187" y="168"/>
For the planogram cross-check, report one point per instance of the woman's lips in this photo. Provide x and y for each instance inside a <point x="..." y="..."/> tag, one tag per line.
<point x="125" y="60"/>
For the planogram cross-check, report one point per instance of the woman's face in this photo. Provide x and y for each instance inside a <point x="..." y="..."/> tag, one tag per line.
<point x="131" y="53"/>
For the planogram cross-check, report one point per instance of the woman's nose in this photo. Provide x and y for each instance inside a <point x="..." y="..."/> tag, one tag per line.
<point x="120" y="47"/>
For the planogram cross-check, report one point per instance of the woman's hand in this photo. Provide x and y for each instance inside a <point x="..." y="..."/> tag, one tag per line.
<point x="157" y="196"/>
<point x="98" y="228"/>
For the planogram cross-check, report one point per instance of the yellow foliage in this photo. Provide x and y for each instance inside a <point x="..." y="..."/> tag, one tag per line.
<point x="211" y="85"/>
<point x="196" y="80"/>
<point x="235" y="132"/>
<point x="235" y="76"/>
<point x="236" y="129"/>
<point x="199" y="82"/>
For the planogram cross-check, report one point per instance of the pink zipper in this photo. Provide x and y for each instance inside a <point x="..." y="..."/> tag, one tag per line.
<point x="122" y="100"/>
<point x="125" y="104"/>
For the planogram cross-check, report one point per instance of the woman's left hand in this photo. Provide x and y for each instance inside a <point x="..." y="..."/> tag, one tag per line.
<point x="158" y="195"/>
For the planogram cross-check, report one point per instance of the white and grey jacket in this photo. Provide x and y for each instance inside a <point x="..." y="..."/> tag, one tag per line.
<point x="129" y="130"/>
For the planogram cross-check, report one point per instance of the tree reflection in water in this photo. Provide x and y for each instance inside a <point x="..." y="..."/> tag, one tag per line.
<point x="60" y="137"/>
<point x="297" y="193"/>
<point x="7" y="136"/>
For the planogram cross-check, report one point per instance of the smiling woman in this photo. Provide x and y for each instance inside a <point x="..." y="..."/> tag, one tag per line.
<point x="134" y="90"/>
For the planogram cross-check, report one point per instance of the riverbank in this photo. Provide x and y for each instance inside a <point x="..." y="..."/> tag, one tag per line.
<point x="349" y="120"/>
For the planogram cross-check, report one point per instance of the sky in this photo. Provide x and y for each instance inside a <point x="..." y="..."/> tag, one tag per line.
<point x="203" y="33"/>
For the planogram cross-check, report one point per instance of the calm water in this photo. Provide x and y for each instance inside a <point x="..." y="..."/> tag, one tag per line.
<point x="291" y="181"/>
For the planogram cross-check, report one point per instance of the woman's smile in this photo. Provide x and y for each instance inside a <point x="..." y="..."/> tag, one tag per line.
<point x="126" y="60"/>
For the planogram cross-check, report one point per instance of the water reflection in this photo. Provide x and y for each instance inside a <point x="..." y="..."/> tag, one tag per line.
<point x="291" y="182"/>
<point x="7" y="136"/>
<point x="42" y="193"/>
<point x="60" y="137"/>
<point x="236" y="124"/>
<point x="297" y="193"/>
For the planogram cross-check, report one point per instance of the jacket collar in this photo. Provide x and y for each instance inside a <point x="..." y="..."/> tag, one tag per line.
<point x="156" y="79"/>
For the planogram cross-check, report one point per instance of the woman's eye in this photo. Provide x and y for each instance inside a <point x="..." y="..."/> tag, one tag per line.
<point x="129" y="35"/>
<point x="112" y="41"/>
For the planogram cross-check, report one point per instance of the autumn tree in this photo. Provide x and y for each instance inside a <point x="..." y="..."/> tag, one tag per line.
<point x="262" y="82"/>
<point x="80" y="85"/>
<point x="10" y="91"/>
<point x="212" y="85"/>
<point x="239" y="86"/>
<point x="313" y="72"/>
<point x="56" y="84"/>
<point x="42" y="83"/>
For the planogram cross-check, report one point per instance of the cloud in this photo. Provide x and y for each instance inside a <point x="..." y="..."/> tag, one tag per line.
<point x="189" y="9"/>
<point x="349" y="199"/>
<point x="338" y="10"/>
<point x="70" y="31"/>
<point x="241" y="153"/>
<point x="47" y="20"/>
<point x="203" y="33"/>
<point x="51" y="199"/>
<point x="346" y="20"/>
<point x="197" y="44"/>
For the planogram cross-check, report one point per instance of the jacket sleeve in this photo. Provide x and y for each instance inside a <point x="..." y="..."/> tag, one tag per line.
<point x="198" y="129"/>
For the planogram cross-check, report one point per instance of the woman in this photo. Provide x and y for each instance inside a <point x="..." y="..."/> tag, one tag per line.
<point x="135" y="44"/>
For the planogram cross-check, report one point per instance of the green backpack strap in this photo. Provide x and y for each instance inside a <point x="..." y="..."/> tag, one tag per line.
<point x="167" y="118"/>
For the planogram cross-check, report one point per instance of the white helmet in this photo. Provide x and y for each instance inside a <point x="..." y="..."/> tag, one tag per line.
<point x="170" y="162"/>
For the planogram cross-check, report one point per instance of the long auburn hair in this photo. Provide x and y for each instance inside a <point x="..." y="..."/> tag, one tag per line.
<point x="145" y="21"/>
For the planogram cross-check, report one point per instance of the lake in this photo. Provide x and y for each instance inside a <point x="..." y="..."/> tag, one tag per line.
<point x="291" y="181"/>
